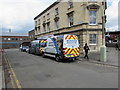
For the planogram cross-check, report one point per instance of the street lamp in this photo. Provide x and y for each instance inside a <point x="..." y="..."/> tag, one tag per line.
<point x="103" y="56"/>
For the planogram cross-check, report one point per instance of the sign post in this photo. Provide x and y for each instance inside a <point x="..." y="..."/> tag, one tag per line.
<point x="103" y="56"/>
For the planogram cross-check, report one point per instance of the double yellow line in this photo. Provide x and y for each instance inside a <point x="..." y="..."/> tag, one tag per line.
<point x="13" y="75"/>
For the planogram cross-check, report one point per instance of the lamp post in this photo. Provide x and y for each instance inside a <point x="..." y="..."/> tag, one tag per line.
<point x="103" y="56"/>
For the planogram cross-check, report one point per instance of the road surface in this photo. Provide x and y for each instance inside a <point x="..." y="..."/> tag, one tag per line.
<point x="33" y="71"/>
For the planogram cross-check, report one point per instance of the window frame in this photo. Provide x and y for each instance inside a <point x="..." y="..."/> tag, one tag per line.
<point x="44" y="27"/>
<point x="48" y="16"/>
<point x="57" y="24"/>
<point x="93" y="17"/>
<point x="56" y="11"/>
<point x="91" y="39"/>
<point x="9" y="39"/>
<point x="70" y="4"/>
<point x="44" y="19"/>
<point x="4" y="39"/>
<point x="48" y="27"/>
<point x="21" y="39"/>
<point x="71" y="18"/>
<point x="38" y="21"/>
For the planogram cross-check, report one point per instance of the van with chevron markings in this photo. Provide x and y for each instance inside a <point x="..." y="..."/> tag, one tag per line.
<point x="62" y="47"/>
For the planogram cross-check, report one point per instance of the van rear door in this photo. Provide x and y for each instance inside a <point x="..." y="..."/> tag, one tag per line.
<point x="71" y="46"/>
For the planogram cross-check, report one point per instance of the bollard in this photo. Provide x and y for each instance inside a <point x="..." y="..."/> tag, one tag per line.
<point x="103" y="56"/>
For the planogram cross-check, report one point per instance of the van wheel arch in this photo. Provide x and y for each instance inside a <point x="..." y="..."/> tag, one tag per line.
<point x="43" y="54"/>
<point x="57" y="58"/>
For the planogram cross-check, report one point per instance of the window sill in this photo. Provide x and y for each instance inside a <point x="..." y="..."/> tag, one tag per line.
<point x="92" y="24"/>
<point x="92" y="44"/>
<point x="70" y="7"/>
<point x="92" y="1"/>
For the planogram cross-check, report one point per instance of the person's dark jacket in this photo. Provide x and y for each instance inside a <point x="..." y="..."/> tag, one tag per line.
<point x="86" y="48"/>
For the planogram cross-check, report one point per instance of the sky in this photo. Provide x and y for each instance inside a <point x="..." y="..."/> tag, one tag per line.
<point x="18" y="15"/>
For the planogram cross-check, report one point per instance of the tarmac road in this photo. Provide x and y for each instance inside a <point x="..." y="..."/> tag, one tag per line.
<point x="33" y="71"/>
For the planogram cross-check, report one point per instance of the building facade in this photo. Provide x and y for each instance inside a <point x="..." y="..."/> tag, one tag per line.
<point x="83" y="19"/>
<point x="31" y="35"/>
<point x="12" y="40"/>
<point x="114" y="36"/>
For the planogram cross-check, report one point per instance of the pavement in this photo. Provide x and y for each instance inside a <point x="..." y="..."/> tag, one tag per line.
<point x="112" y="57"/>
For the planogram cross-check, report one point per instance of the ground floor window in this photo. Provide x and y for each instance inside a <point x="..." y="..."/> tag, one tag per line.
<point x="93" y="39"/>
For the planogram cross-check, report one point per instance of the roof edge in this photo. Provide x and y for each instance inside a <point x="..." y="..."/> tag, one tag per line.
<point x="48" y="8"/>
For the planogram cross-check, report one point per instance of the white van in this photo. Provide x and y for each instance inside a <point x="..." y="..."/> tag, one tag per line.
<point x="62" y="47"/>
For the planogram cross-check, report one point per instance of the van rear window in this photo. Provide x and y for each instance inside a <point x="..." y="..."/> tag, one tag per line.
<point x="71" y="41"/>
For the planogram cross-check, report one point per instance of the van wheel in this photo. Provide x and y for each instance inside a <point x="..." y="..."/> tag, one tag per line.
<point x="57" y="58"/>
<point x="43" y="55"/>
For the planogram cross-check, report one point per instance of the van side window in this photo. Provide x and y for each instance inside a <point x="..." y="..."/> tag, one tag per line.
<point x="50" y="44"/>
<point x="43" y="44"/>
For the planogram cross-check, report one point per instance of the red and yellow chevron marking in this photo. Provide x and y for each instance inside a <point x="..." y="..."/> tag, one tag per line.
<point x="43" y="41"/>
<point x="71" y="37"/>
<point x="40" y="50"/>
<point x="71" y="52"/>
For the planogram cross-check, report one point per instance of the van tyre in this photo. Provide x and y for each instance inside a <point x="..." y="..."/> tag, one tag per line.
<point x="57" y="58"/>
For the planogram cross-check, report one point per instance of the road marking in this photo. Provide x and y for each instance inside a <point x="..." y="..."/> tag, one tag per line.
<point x="13" y="73"/>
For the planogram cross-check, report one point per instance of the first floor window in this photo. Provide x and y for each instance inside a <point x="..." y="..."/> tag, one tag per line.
<point x="92" y="39"/>
<point x="93" y="0"/>
<point x="0" y="39"/>
<point x="48" y="27"/>
<point x="57" y="24"/>
<point x="5" y="39"/>
<point x="70" y="4"/>
<point x="48" y="16"/>
<point x="44" y="18"/>
<point x="12" y="38"/>
<point x="39" y="29"/>
<point x="35" y="23"/>
<point x="70" y="18"/>
<point x="16" y="38"/>
<point x="44" y="28"/>
<point x="56" y="11"/>
<point x="9" y="39"/>
<point x="92" y="14"/>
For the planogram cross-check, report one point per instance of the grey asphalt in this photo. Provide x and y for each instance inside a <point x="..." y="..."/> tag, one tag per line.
<point x="34" y="71"/>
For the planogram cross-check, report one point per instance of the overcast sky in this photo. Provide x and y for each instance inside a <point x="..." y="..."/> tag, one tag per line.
<point x="19" y="14"/>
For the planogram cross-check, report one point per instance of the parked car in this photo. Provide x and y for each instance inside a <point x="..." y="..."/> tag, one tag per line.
<point x="25" y="48"/>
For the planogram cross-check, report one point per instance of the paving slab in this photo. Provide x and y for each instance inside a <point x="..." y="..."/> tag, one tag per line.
<point x="112" y="57"/>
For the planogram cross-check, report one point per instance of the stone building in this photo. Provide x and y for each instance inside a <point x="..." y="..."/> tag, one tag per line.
<point x="83" y="19"/>
<point x="31" y="35"/>
<point x="12" y="40"/>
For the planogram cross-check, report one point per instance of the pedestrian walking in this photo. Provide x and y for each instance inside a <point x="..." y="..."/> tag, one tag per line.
<point x="86" y="49"/>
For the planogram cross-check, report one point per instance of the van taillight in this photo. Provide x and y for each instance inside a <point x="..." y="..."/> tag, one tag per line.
<point x="63" y="52"/>
<point x="64" y="48"/>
